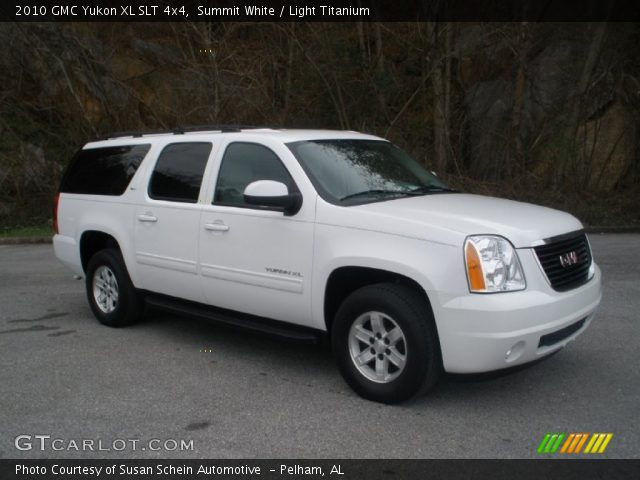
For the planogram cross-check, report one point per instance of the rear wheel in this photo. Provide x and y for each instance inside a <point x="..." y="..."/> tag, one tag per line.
<point x="386" y="343"/>
<point x="112" y="297"/>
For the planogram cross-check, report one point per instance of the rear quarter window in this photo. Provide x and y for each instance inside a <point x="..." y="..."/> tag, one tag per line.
<point x="103" y="171"/>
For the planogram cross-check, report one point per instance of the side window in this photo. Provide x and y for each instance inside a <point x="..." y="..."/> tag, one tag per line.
<point x="244" y="163"/>
<point x="103" y="171"/>
<point x="178" y="172"/>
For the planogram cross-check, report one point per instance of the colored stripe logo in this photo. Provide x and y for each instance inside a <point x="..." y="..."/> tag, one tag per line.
<point x="573" y="443"/>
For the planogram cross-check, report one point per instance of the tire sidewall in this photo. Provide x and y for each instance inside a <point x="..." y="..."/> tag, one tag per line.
<point x="112" y="259"/>
<point x="419" y="358"/>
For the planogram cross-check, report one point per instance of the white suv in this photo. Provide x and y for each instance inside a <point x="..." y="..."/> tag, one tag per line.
<point x="308" y="233"/>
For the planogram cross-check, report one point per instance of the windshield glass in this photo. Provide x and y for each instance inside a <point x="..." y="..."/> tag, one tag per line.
<point x="359" y="171"/>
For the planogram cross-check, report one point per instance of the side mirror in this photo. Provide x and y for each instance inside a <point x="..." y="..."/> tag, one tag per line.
<point x="271" y="194"/>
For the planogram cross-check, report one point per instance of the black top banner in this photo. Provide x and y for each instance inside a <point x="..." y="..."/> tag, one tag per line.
<point x="321" y="11"/>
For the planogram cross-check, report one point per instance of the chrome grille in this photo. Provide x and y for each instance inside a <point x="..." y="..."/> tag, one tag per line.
<point x="566" y="261"/>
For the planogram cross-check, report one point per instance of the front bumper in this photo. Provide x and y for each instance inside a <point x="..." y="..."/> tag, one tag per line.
<point x="481" y="333"/>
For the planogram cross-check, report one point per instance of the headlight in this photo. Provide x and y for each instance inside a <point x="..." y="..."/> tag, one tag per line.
<point x="492" y="265"/>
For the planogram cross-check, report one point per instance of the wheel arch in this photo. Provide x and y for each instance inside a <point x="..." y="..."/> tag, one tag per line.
<point x="92" y="241"/>
<point x="344" y="280"/>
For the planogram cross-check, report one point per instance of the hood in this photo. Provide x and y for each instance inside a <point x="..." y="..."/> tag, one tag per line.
<point x="430" y="216"/>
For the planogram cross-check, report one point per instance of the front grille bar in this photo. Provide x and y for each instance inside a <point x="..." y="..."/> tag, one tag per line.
<point x="566" y="274"/>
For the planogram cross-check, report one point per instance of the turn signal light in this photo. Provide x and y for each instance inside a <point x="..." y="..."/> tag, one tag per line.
<point x="474" y="268"/>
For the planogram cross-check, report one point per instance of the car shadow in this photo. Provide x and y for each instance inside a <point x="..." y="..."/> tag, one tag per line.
<point x="312" y="364"/>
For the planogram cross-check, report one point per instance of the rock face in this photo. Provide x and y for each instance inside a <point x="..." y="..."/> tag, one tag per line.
<point x="610" y="144"/>
<point x="510" y="108"/>
<point x="489" y="112"/>
<point x="552" y="73"/>
<point x="31" y="171"/>
<point x="593" y="153"/>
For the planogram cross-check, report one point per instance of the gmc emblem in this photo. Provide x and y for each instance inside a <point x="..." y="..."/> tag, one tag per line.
<point x="568" y="259"/>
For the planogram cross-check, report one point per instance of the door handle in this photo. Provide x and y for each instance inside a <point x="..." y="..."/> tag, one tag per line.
<point x="146" y="217"/>
<point x="216" y="227"/>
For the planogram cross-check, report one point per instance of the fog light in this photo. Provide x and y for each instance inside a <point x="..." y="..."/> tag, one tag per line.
<point x="515" y="352"/>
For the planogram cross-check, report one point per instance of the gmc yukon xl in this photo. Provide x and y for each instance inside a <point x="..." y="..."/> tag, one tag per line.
<point x="308" y="232"/>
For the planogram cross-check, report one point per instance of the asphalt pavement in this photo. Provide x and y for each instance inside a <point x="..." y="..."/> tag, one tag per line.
<point x="230" y="394"/>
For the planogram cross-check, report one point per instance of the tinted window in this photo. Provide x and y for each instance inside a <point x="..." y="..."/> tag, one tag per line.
<point x="103" y="171"/>
<point x="178" y="172"/>
<point x="244" y="163"/>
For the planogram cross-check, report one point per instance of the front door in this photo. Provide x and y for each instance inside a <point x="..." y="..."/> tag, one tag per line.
<point x="255" y="260"/>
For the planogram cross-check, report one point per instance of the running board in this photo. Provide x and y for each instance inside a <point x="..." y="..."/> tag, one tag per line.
<point x="236" y="319"/>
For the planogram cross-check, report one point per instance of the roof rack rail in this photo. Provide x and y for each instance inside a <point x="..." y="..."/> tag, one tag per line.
<point x="181" y="130"/>
<point x="221" y="128"/>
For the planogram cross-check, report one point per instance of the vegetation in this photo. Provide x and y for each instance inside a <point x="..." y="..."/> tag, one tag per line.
<point x="547" y="113"/>
<point x="39" y="231"/>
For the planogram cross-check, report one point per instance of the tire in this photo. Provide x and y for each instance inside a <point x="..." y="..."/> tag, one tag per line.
<point x="378" y="311"/>
<point x="117" y="303"/>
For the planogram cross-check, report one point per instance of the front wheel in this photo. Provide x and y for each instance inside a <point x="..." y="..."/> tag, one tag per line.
<point x="112" y="297"/>
<point x="386" y="343"/>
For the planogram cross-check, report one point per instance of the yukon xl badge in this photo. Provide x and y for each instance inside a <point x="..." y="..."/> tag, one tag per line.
<point x="568" y="259"/>
<point x="283" y="272"/>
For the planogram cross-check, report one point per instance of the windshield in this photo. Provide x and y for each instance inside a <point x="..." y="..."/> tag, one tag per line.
<point x="358" y="171"/>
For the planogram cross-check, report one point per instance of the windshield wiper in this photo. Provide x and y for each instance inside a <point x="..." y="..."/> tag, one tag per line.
<point x="414" y="191"/>
<point x="365" y="193"/>
<point x="430" y="189"/>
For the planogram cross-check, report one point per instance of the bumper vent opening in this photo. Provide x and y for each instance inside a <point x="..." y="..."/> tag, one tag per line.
<point x="556" y="337"/>
<point x="566" y="262"/>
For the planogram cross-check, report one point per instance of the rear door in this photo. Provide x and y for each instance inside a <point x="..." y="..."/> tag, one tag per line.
<point x="167" y="221"/>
